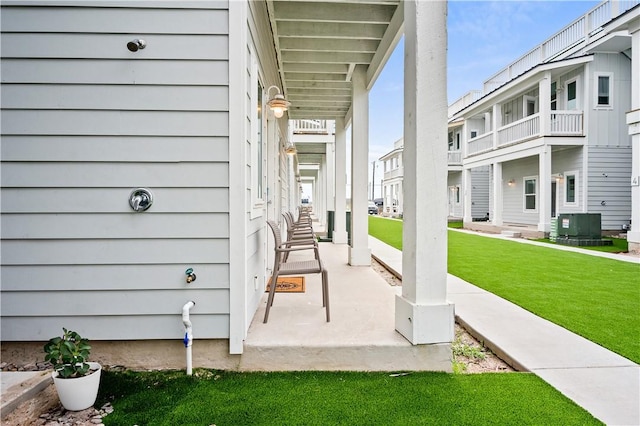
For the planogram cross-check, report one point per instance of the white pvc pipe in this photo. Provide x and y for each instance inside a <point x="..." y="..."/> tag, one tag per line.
<point x="188" y="337"/>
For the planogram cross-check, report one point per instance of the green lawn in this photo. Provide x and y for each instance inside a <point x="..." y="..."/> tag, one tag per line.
<point x="594" y="297"/>
<point x="334" y="398"/>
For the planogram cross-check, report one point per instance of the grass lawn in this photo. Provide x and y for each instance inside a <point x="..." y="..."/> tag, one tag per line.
<point x="334" y="398"/>
<point x="620" y="245"/>
<point x="594" y="297"/>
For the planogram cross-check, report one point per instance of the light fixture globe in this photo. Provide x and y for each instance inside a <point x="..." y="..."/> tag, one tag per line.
<point x="290" y="149"/>
<point x="278" y="104"/>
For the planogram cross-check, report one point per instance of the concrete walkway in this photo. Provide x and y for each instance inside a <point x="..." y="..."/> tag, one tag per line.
<point x="602" y="382"/>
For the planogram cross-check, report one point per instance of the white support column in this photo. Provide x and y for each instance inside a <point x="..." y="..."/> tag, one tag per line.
<point x="633" y="120"/>
<point x="544" y="190"/>
<point x="544" y="104"/>
<point x="498" y="203"/>
<point x="496" y="117"/>
<point x="423" y="314"/>
<point x="331" y="175"/>
<point x="467" y="190"/>
<point x="340" y="217"/>
<point x="359" y="252"/>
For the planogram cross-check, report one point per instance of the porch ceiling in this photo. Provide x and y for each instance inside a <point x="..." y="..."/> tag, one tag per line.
<point x="319" y="44"/>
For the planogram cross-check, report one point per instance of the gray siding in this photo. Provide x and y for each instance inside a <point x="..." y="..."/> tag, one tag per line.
<point x="512" y="196"/>
<point x="480" y="191"/>
<point x="84" y="122"/>
<point x="607" y="127"/>
<point x="609" y="182"/>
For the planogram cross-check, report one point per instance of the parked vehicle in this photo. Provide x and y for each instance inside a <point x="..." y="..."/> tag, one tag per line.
<point x="373" y="209"/>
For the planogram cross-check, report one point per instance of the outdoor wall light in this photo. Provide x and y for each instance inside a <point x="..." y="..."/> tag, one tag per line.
<point x="511" y="182"/>
<point x="290" y="148"/>
<point x="278" y="103"/>
<point x="137" y="44"/>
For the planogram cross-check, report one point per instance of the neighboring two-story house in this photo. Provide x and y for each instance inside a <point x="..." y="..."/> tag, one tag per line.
<point x="548" y="135"/>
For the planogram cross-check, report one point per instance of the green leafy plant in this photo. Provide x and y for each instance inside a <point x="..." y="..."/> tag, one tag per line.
<point x="68" y="354"/>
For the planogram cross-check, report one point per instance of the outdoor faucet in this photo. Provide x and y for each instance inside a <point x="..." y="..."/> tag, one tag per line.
<point x="140" y="199"/>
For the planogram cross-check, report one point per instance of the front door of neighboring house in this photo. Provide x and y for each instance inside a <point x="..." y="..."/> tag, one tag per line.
<point x="572" y="95"/>
<point x="553" y="198"/>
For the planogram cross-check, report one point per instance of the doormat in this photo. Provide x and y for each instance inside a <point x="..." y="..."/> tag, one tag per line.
<point x="288" y="285"/>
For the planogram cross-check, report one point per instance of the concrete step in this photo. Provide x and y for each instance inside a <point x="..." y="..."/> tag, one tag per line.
<point x="511" y="234"/>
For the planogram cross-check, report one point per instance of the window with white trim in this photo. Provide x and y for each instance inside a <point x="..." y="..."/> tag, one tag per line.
<point x="571" y="188"/>
<point x="457" y="189"/>
<point x="554" y="96"/>
<point x="530" y="185"/>
<point x="604" y="90"/>
<point x="529" y="105"/>
<point x="257" y="135"/>
<point x="572" y="95"/>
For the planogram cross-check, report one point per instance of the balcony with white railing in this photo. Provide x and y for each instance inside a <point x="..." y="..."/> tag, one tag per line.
<point x="480" y="144"/>
<point x="394" y="173"/>
<point x="311" y="127"/>
<point x="454" y="158"/>
<point x="579" y="32"/>
<point x="519" y="131"/>
<point x="560" y="123"/>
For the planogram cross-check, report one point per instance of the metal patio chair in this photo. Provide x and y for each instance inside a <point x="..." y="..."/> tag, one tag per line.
<point x="300" y="267"/>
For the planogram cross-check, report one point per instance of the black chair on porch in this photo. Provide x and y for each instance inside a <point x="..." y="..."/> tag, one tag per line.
<point x="281" y="267"/>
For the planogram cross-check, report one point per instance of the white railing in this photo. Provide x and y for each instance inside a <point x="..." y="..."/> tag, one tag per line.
<point x="464" y="101"/>
<point x="480" y="144"/>
<point x="316" y="127"/>
<point x="566" y="123"/>
<point x="520" y="130"/>
<point x="579" y="30"/>
<point x="454" y="157"/>
<point x="397" y="172"/>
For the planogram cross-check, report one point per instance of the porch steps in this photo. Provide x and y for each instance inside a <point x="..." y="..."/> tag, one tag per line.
<point x="511" y="234"/>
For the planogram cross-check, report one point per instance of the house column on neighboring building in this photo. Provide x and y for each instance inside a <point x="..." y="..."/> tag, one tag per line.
<point x="544" y="189"/>
<point x="359" y="252"/>
<point x="497" y="200"/>
<point x="633" y="120"/>
<point x="340" y="218"/>
<point x="423" y="314"/>
<point x="466" y="194"/>
<point x="330" y="175"/>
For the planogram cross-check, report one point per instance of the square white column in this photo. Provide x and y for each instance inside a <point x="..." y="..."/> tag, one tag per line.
<point x="340" y="217"/>
<point x="359" y="252"/>
<point x="544" y="190"/>
<point x="423" y="314"/>
<point x="497" y="199"/>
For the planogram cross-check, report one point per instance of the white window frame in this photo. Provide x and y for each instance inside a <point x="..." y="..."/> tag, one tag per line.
<point x="565" y="188"/>
<point x="257" y="137"/>
<point x="596" y="77"/>
<point x="525" y="103"/>
<point x="554" y="102"/>
<point x="566" y="97"/>
<point x="524" y="194"/>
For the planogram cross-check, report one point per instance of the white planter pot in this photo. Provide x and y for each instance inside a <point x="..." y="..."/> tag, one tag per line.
<point x="78" y="393"/>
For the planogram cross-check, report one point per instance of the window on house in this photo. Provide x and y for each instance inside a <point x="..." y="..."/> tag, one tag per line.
<point x="554" y="96"/>
<point x="259" y="147"/>
<point x="603" y="91"/>
<point x="571" y="187"/>
<point x="529" y="106"/>
<point x="572" y="95"/>
<point x="474" y="134"/>
<point x="457" y="195"/>
<point x="457" y="141"/>
<point x="530" y="187"/>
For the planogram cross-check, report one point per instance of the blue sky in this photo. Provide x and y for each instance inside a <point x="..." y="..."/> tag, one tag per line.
<point x="484" y="37"/>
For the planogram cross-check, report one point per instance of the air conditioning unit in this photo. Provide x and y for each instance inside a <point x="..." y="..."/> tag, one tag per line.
<point x="580" y="225"/>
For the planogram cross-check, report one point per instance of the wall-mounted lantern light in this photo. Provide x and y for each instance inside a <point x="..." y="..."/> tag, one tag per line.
<point x="278" y="103"/>
<point x="511" y="182"/>
<point x="290" y="149"/>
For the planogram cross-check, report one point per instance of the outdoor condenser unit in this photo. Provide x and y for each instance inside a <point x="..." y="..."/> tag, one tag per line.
<point x="580" y="225"/>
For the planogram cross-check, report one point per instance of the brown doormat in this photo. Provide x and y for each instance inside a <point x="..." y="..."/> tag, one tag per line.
<point x="288" y="285"/>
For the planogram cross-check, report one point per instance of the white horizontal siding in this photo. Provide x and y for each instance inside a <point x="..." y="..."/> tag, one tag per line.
<point x="126" y="123"/>
<point x="114" y="46"/>
<point x="125" y="327"/>
<point x="112" y="20"/>
<point x="609" y="181"/>
<point x="125" y="149"/>
<point x="114" y="226"/>
<point x="84" y="121"/>
<point x="115" y="97"/>
<point x="112" y="200"/>
<point x="113" y="71"/>
<point x="169" y="276"/>
<point x="99" y="303"/>
<point x="114" y="252"/>
<point x="480" y="191"/>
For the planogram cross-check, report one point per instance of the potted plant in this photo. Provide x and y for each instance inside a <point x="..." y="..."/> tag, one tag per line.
<point x="76" y="379"/>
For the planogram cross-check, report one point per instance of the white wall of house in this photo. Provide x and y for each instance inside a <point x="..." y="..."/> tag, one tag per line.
<point x="84" y="122"/>
<point x="480" y="182"/>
